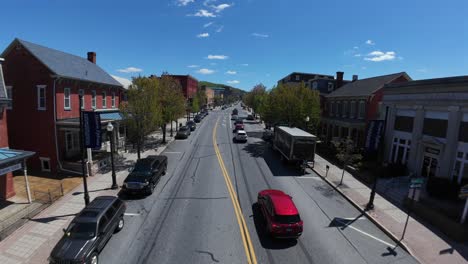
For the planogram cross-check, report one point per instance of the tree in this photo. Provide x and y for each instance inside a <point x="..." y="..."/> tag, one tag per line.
<point x="202" y="99"/>
<point x="217" y="100"/>
<point x="171" y="100"/>
<point x="346" y="153"/>
<point x="195" y="104"/>
<point x="142" y="111"/>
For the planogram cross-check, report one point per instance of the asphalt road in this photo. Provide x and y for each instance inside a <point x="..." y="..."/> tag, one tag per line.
<point x="191" y="216"/>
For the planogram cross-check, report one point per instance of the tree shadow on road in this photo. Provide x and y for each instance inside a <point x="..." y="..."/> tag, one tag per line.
<point x="265" y="239"/>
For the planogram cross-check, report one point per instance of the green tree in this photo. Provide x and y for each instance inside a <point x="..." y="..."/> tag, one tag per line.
<point x="171" y="100"/>
<point x="142" y="111"/>
<point x="217" y="100"/>
<point x="346" y="153"/>
<point x="195" y="104"/>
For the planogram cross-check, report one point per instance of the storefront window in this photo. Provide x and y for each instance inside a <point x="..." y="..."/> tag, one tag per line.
<point x="400" y="150"/>
<point x="460" y="169"/>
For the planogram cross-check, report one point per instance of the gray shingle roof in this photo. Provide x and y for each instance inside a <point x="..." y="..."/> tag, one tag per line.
<point x="3" y="94"/>
<point x="365" y="87"/>
<point x="68" y="65"/>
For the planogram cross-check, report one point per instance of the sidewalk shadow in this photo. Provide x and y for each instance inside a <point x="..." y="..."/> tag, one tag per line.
<point x="46" y="220"/>
<point x="134" y="197"/>
<point x="90" y="191"/>
<point x="265" y="239"/>
<point x="272" y="159"/>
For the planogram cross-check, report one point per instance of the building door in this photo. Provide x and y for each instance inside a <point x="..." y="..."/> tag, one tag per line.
<point x="429" y="167"/>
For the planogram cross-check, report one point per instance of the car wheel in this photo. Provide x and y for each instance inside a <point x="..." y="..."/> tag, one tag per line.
<point x="151" y="188"/>
<point x="94" y="258"/>
<point x="165" y="170"/>
<point x="120" y="225"/>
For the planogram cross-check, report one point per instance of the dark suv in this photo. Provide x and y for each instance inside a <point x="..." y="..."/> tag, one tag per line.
<point x="89" y="232"/>
<point x="145" y="175"/>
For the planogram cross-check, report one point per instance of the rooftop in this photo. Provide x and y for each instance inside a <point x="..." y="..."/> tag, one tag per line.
<point x="294" y="131"/>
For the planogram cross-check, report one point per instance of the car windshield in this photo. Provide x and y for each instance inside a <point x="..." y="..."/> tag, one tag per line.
<point x="183" y="129"/>
<point x="81" y="230"/>
<point x="142" y="167"/>
<point x="287" y="219"/>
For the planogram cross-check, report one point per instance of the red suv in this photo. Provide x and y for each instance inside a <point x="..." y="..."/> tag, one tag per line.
<point x="280" y="213"/>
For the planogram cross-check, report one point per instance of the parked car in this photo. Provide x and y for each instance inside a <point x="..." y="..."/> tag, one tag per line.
<point x="250" y="117"/>
<point x="145" y="175"/>
<point x="184" y="132"/>
<point x="89" y="231"/>
<point x="192" y="125"/>
<point x="234" y="117"/>
<point x="267" y="135"/>
<point x="280" y="213"/>
<point x="235" y="111"/>
<point x="239" y="121"/>
<point x="197" y="119"/>
<point x="241" y="136"/>
<point x="238" y="127"/>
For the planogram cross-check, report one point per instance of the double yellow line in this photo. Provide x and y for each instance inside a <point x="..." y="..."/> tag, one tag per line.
<point x="248" y="247"/>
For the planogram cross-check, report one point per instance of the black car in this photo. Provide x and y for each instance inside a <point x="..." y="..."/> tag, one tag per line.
<point x="145" y="175"/>
<point x="192" y="125"/>
<point x="250" y="117"/>
<point x="268" y="135"/>
<point x="184" y="132"/>
<point x="89" y="232"/>
<point x="197" y="119"/>
<point x="235" y="111"/>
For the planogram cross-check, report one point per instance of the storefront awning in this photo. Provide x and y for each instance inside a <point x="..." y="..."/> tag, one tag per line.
<point x="111" y="116"/>
<point x="11" y="157"/>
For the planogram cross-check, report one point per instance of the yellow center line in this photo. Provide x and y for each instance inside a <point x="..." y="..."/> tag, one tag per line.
<point x="245" y="235"/>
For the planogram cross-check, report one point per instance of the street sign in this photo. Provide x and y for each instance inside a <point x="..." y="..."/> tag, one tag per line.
<point x="92" y="130"/>
<point x="417" y="181"/>
<point x="415" y="185"/>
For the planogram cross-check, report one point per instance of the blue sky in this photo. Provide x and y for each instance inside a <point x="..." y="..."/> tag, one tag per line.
<point x="244" y="42"/>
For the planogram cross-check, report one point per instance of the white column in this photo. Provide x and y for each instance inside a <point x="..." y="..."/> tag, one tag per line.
<point x="447" y="158"/>
<point x="28" y="191"/>
<point x="415" y="157"/>
<point x="388" y="140"/>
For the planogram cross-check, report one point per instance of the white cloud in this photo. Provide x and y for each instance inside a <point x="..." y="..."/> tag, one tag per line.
<point x="217" y="57"/>
<point x="231" y="72"/>
<point x="245" y="64"/>
<point x="125" y="82"/>
<point x="203" y="13"/>
<point x="220" y="28"/>
<point x="184" y="2"/>
<point x="208" y="24"/>
<point x="355" y="47"/>
<point x="233" y="82"/>
<point x="205" y="71"/>
<point x="208" y="2"/>
<point x="259" y="35"/>
<point x="203" y="35"/>
<point x="193" y="66"/>
<point x="130" y="70"/>
<point x="370" y="42"/>
<point x="377" y="56"/>
<point x="221" y="7"/>
<point x="357" y="55"/>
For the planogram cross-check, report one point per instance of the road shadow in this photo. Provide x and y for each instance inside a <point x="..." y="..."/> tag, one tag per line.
<point x="266" y="240"/>
<point x="343" y="223"/>
<point x="272" y="159"/>
<point x="131" y="197"/>
<point x="46" y="220"/>
<point x="98" y="190"/>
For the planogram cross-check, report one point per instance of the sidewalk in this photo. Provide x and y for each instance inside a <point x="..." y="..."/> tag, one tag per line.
<point x="33" y="242"/>
<point x="422" y="243"/>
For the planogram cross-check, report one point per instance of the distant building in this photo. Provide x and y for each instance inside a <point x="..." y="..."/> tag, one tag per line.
<point x="209" y="96"/>
<point x="427" y="127"/>
<point x="189" y="85"/>
<point x="350" y="108"/>
<point x="47" y="87"/>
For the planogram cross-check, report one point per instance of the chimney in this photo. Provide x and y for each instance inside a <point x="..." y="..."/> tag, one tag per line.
<point x="92" y="57"/>
<point x="355" y="78"/>
<point x="339" y="79"/>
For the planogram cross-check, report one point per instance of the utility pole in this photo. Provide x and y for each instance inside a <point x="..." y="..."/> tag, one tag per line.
<point x="85" y="182"/>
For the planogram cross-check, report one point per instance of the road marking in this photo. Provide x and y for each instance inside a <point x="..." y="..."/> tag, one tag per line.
<point x="174" y="152"/>
<point x="130" y="214"/>
<point x="230" y="125"/>
<point x="309" y="177"/>
<point x="366" y="234"/>
<point x="248" y="247"/>
<point x="354" y="218"/>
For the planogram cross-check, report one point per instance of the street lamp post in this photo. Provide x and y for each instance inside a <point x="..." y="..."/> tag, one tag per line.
<point x="307" y="119"/>
<point x="110" y="134"/>
<point x="82" y="147"/>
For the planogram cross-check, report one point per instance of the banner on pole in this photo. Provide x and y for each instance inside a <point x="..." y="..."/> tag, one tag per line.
<point x="92" y="130"/>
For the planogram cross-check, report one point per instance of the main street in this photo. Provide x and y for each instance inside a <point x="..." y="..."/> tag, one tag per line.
<point x="193" y="215"/>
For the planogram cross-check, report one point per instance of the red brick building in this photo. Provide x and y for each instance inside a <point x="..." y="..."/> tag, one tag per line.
<point x="46" y="87"/>
<point x="351" y="107"/>
<point x="189" y="85"/>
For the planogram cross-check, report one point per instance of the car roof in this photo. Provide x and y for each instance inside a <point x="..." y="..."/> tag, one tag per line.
<point x="95" y="209"/>
<point x="282" y="203"/>
<point x="241" y="131"/>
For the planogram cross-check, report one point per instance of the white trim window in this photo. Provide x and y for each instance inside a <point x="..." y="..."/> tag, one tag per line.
<point x="332" y="105"/>
<point x="113" y="99"/>
<point x="352" y="112"/>
<point x="337" y="108"/>
<point x="72" y="142"/>
<point x="400" y="151"/>
<point x="41" y="97"/>
<point x="460" y="168"/>
<point x="345" y="109"/>
<point x="93" y="99"/>
<point x="45" y="163"/>
<point x="362" y="110"/>
<point x="81" y="95"/>
<point x="298" y="77"/>
<point x="9" y="91"/>
<point x="104" y="99"/>
<point x="66" y="99"/>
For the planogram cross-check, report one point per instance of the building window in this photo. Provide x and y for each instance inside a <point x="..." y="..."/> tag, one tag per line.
<point x="330" y="86"/>
<point x="404" y="123"/>
<point x="314" y="85"/>
<point x="9" y="92"/>
<point x="399" y="153"/>
<point x="93" y="99"/>
<point x="298" y="77"/>
<point x="82" y="98"/>
<point x="463" y="132"/>
<point x="435" y="127"/>
<point x="45" y="163"/>
<point x="460" y="169"/>
<point x="331" y="108"/>
<point x="104" y="100"/>
<point x="113" y="99"/>
<point x="71" y="141"/>
<point x="352" y="110"/>
<point x="345" y="109"/>
<point x="41" y="97"/>
<point x="66" y="99"/>
<point x="361" y="110"/>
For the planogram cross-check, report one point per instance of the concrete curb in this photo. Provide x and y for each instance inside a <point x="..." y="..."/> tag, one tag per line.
<point x="373" y="220"/>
